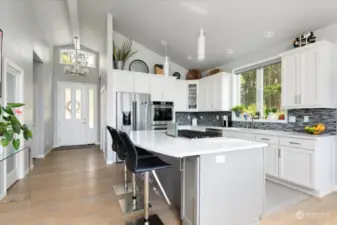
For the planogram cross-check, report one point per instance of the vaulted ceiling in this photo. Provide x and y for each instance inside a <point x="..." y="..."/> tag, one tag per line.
<point x="229" y="24"/>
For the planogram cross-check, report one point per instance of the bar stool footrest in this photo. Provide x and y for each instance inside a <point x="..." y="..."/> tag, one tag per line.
<point x="153" y="220"/>
<point x="127" y="206"/>
<point x="119" y="189"/>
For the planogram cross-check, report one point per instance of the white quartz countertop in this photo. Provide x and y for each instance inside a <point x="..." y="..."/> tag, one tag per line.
<point x="263" y="132"/>
<point x="159" y="142"/>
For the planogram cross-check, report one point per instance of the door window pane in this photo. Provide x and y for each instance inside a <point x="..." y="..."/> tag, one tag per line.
<point x="67" y="100"/>
<point x="248" y="91"/>
<point x="91" y="108"/>
<point x="78" y="103"/>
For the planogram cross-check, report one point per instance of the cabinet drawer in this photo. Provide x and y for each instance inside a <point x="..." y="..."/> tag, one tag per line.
<point x="267" y="139"/>
<point x="298" y="143"/>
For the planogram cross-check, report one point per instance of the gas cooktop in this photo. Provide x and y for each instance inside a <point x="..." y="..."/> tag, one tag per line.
<point x="198" y="134"/>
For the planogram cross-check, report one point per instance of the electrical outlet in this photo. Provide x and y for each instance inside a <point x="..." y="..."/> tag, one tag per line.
<point x="217" y="117"/>
<point x="306" y="119"/>
<point x="188" y="117"/>
<point x="292" y="119"/>
<point x="201" y="117"/>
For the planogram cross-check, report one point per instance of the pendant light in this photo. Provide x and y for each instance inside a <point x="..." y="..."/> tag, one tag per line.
<point x="166" y="62"/>
<point x="201" y="45"/>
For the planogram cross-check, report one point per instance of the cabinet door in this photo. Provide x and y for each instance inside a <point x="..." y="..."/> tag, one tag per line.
<point x="202" y="95"/>
<point x="297" y="166"/>
<point x="271" y="160"/>
<point x="180" y="101"/>
<point x="168" y="87"/>
<point x="308" y="82"/>
<point x="222" y="92"/>
<point x="123" y="81"/>
<point x="156" y="88"/>
<point x="141" y="83"/>
<point x="209" y="90"/>
<point x="290" y="73"/>
<point x="239" y="135"/>
<point x="193" y="95"/>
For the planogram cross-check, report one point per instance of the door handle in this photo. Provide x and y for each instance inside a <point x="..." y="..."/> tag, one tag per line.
<point x="84" y="121"/>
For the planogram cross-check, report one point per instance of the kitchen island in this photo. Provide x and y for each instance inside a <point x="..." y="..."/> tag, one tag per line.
<point x="222" y="179"/>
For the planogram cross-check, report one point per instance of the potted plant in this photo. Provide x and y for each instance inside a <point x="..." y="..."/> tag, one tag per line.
<point x="121" y="55"/>
<point x="10" y="126"/>
<point x="238" y="110"/>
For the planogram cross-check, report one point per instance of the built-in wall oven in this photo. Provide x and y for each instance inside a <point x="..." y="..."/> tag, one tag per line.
<point x="162" y="114"/>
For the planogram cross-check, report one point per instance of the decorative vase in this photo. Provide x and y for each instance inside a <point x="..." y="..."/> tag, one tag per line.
<point x="237" y="114"/>
<point x="119" y="65"/>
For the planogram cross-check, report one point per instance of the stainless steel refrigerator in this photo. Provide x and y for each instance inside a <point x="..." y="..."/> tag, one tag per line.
<point x="133" y="111"/>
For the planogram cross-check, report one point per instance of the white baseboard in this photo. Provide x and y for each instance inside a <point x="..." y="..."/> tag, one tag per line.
<point x="42" y="156"/>
<point x="28" y="170"/>
<point x="2" y="196"/>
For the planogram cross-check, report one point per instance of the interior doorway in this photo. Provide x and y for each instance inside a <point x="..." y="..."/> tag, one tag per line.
<point x="77" y="114"/>
<point x="13" y="91"/>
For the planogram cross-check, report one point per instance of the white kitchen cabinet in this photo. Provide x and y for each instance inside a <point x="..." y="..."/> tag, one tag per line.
<point x="297" y="166"/>
<point x="192" y="95"/>
<point x="180" y="100"/>
<point x="162" y="88"/>
<point x="308" y="76"/>
<point x="238" y="135"/>
<point x="222" y="92"/>
<point x="271" y="160"/>
<point x="141" y="83"/>
<point x="123" y="81"/>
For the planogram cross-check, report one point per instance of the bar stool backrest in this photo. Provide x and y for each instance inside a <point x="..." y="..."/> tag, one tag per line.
<point x="114" y="142"/>
<point x="117" y="142"/>
<point x="132" y="155"/>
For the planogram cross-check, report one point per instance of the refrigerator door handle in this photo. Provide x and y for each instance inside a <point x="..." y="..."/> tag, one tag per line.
<point x="134" y="115"/>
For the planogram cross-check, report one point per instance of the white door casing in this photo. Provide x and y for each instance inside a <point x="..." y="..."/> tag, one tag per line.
<point x="77" y="114"/>
<point x="13" y="92"/>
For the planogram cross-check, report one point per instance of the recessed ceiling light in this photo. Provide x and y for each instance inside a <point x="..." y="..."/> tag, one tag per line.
<point x="230" y="51"/>
<point x="163" y="42"/>
<point x="189" y="57"/>
<point x="269" y="34"/>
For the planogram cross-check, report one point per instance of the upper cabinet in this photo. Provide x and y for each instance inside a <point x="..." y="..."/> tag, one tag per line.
<point x="214" y="93"/>
<point x="162" y="88"/>
<point x="123" y="81"/>
<point x="192" y="94"/>
<point x="308" y="78"/>
<point x="180" y="92"/>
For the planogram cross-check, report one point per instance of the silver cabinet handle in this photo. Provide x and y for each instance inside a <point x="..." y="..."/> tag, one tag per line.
<point x="265" y="139"/>
<point x="181" y="161"/>
<point x="294" y="143"/>
<point x="300" y="99"/>
<point x="295" y="99"/>
<point x="279" y="153"/>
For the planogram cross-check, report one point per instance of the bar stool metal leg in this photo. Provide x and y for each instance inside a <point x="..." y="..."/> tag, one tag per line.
<point x="132" y="203"/>
<point x="126" y="187"/>
<point x="147" y="219"/>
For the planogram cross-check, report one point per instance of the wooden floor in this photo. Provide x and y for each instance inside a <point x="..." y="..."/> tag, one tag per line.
<point x="75" y="188"/>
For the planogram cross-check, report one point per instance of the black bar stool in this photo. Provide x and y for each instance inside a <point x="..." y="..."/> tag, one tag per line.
<point x="126" y="187"/>
<point x="143" y="165"/>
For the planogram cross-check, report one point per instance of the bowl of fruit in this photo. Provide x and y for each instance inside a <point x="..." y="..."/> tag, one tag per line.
<point x="316" y="129"/>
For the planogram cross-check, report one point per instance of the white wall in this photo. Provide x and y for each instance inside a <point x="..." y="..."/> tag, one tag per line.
<point x="22" y="36"/>
<point x="149" y="57"/>
<point x="328" y="33"/>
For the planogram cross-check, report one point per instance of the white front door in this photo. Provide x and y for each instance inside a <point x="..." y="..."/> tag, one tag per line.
<point x="77" y="114"/>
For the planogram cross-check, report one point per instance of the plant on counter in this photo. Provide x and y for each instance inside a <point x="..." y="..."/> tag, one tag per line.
<point x="10" y="126"/>
<point x="121" y="55"/>
<point x="238" y="110"/>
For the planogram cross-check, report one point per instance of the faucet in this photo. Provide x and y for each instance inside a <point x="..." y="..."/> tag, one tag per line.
<point x="252" y="121"/>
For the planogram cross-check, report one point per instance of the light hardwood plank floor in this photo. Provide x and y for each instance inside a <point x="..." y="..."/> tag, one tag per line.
<point x="75" y="188"/>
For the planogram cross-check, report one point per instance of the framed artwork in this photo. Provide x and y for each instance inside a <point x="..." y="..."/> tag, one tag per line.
<point x="1" y="60"/>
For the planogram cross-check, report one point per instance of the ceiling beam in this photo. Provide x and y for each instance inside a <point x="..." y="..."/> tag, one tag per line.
<point x="74" y="21"/>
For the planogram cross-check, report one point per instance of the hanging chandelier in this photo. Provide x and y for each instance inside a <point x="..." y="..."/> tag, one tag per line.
<point x="76" y="69"/>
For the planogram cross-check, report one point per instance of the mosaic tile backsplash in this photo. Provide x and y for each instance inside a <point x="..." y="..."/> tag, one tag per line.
<point x="319" y="115"/>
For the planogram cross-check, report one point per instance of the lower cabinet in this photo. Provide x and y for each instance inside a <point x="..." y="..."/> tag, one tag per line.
<point x="271" y="160"/>
<point x="297" y="166"/>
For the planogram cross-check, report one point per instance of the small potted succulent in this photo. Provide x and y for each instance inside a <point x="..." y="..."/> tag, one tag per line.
<point x="238" y="110"/>
<point x="10" y="126"/>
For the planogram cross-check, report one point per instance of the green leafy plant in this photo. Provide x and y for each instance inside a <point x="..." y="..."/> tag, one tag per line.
<point x="125" y="52"/>
<point x="238" y="109"/>
<point x="10" y="126"/>
<point x="273" y="110"/>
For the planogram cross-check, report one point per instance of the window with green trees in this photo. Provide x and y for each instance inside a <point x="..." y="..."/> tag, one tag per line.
<point x="260" y="92"/>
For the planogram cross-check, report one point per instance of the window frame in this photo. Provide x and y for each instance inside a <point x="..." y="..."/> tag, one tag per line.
<point x="259" y="92"/>
<point x="72" y="64"/>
